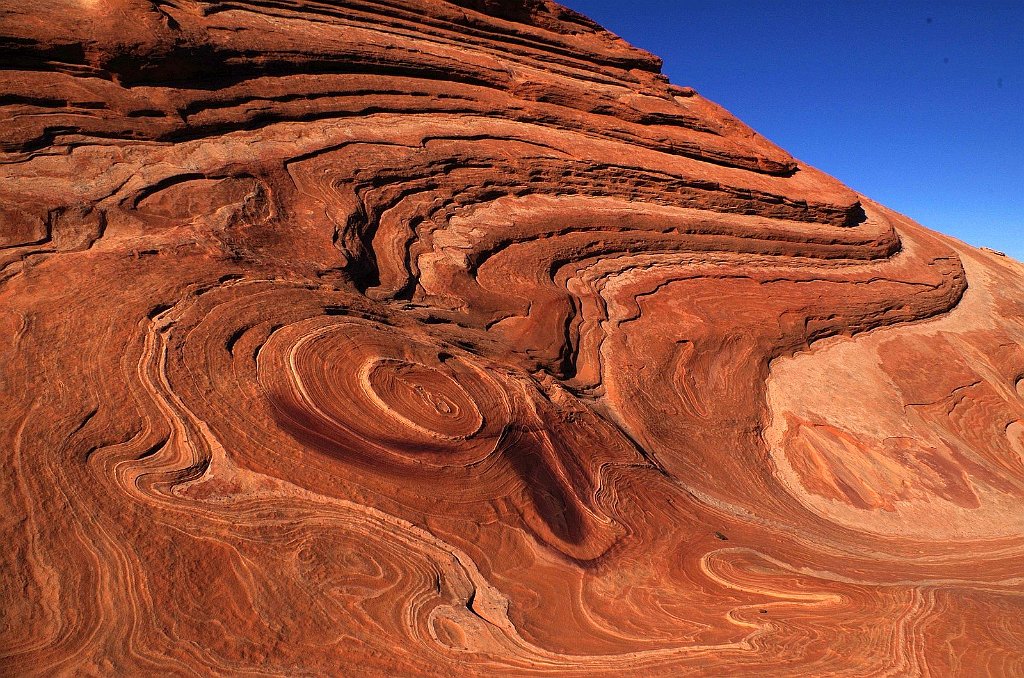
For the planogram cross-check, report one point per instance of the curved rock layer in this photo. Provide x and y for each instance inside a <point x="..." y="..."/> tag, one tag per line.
<point x="370" y="337"/>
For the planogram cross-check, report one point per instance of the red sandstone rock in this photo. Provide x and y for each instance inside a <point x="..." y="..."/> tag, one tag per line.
<point x="448" y="338"/>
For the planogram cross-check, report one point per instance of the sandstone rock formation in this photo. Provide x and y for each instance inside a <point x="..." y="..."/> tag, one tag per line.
<point x="367" y="337"/>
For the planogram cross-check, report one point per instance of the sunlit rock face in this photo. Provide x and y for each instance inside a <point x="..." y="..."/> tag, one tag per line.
<point x="449" y="338"/>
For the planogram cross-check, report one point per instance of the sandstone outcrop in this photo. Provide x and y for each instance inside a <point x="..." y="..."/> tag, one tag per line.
<point x="369" y="337"/>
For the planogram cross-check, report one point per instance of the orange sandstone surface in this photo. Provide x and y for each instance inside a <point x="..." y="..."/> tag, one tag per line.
<point x="425" y="338"/>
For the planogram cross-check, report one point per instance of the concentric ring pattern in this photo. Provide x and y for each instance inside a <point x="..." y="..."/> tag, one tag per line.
<point x="449" y="338"/>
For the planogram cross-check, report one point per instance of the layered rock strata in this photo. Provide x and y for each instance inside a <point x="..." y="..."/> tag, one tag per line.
<point x="369" y="337"/>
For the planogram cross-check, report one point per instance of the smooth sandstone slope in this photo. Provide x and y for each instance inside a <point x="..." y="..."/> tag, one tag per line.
<point x="370" y="337"/>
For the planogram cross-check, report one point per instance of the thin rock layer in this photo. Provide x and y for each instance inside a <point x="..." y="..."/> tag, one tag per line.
<point x="369" y="337"/>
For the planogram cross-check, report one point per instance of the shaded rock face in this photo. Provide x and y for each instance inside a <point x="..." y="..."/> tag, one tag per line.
<point x="426" y="338"/>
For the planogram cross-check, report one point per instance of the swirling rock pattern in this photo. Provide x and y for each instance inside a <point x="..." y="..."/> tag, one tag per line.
<point x="391" y="338"/>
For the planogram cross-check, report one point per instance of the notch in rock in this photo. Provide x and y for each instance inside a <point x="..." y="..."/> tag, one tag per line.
<point x="230" y="342"/>
<point x="153" y="449"/>
<point x="157" y="310"/>
<point x="469" y="602"/>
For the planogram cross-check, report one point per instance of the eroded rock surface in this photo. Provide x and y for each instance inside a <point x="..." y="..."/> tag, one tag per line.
<point x="449" y="338"/>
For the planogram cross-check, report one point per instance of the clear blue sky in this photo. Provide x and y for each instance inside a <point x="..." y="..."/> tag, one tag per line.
<point x="919" y="105"/>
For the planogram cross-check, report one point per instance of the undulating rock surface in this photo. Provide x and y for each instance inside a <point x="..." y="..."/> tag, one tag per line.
<point x="411" y="337"/>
